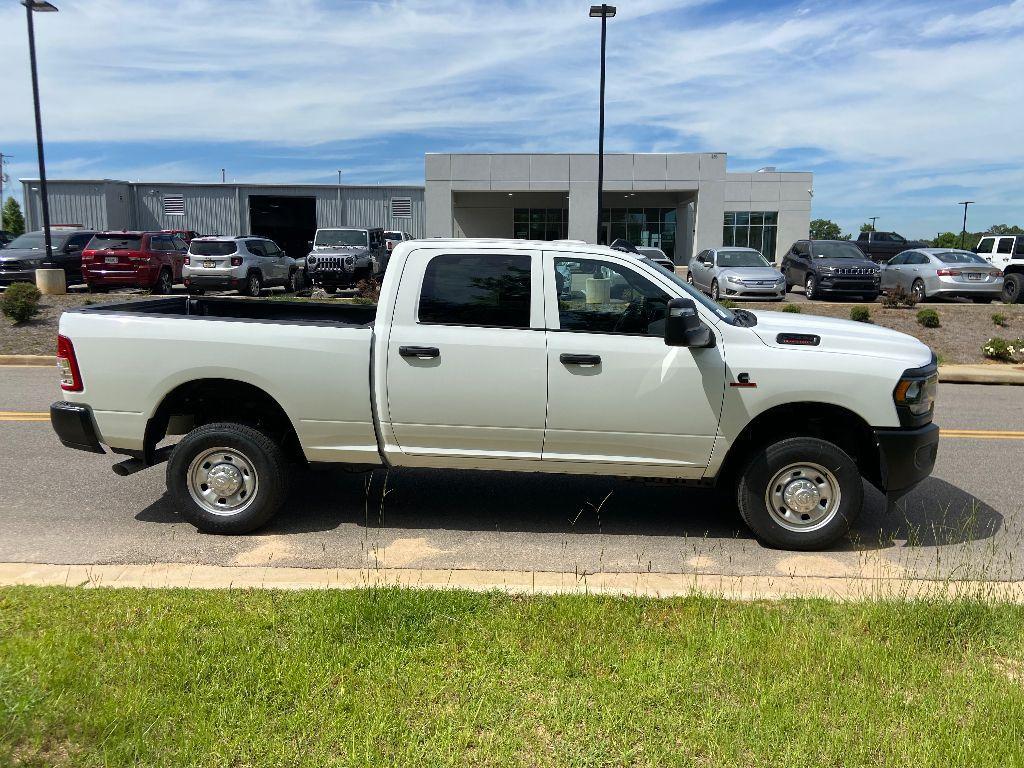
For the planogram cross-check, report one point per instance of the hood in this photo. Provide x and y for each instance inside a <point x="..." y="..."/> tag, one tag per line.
<point x="23" y="254"/>
<point x="844" y="336"/>
<point x="340" y="250"/>
<point x="752" y="273"/>
<point x="856" y="263"/>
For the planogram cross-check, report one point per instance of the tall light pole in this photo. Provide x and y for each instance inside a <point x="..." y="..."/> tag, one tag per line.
<point x="963" y="232"/>
<point x="3" y="159"/>
<point x="40" y="6"/>
<point x="604" y="12"/>
<point x="873" y="220"/>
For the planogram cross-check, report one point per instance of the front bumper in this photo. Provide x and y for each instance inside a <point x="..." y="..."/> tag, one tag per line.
<point x="906" y="457"/>
<point x="840" y="285"/>
<point x="8" y="276"/>
<point x="75" y="427"/>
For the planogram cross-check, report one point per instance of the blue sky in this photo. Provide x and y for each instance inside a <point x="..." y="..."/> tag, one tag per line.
<point x="900" y="109"/>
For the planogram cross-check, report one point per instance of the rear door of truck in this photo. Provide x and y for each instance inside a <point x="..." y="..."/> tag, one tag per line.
<point x="466" y="361"/>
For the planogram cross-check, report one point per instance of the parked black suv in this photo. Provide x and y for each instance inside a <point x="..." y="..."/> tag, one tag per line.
<point x="882" y="246"/>
<point x="830" y="266"/>
<point x="26" y="253"/>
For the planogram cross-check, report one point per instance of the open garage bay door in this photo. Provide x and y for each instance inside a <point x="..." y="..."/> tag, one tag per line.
<point x="288" y="221"/>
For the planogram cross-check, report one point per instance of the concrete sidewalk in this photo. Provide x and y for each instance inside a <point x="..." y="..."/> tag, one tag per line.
<point x="767" y="587"/>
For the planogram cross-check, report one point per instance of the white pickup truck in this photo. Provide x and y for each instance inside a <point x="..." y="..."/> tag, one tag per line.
<point x="504" y="355"/>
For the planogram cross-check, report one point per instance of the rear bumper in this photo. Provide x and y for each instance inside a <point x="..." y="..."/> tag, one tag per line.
<point x="75" y="427"/>
<point x="214" y="282"/>
<point x="143" y="277"/>
<point x="943" y="287"/>
<point x="906" y="457"/>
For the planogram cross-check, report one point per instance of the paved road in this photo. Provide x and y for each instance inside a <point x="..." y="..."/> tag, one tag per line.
<point x="61" y="506"/>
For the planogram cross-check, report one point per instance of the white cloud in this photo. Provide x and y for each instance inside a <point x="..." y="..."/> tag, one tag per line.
<point x="884" y="101"/>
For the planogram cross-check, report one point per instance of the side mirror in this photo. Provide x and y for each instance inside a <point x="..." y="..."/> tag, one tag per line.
<point x="683" y="327"/>
<point x="974" y="249"/>
<point x="309" y="243"/>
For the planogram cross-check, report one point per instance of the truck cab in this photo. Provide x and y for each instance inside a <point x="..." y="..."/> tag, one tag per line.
<point x="882" y="246"/>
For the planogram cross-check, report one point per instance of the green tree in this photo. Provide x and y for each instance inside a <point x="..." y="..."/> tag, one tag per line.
<point x="12" y="220"/>
<point x="946" y="240"/>
<point x="1005" y="229"/>
<point x="866" y="227"/>
<point x="826" y="229"/>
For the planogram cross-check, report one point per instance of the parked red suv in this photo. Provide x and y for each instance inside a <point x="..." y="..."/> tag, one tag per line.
<point x="133" y="260"/>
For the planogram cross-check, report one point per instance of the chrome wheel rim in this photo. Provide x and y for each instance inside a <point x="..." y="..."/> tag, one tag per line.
<point x="714" y="291"/>
<point x="809" y="288"/>
<point x="223" y="481"/>
<point x="918" y="290"/>
<point x="689" y="278"/>
<point x="803" y="497"/>
<point x="254" y="285"/>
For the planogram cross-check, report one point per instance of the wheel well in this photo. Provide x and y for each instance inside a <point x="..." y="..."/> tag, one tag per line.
<point x="1014" y="269"/>
<point x="206" y="401"/>
<point x="834" y="423"/>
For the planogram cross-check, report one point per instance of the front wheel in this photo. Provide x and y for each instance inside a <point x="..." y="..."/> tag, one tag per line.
<point x="715" y="293"/>
<point x="291" y="284"/>
<point x="689" y="278"/>
<point x="801" y="493"/>
<point x="811" y="288"/>
<point x="1013" y="288"/>
<point x="227" y="478"/>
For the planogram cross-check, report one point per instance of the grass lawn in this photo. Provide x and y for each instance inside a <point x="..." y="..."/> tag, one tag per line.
<point x="394" y="677"/>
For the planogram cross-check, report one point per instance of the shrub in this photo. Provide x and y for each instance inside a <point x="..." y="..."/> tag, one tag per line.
<point x="929" y="318"/>
<point x="368" y="291"/>
<point x="1002" y="350"/>
<point x="20" y="301"/>
<point x="727" y="303"/>
<point x="898" y="298"/>
<point x="790" y="307"/>
<point x="1000" y="320"/>
<point x="860" y="314"/>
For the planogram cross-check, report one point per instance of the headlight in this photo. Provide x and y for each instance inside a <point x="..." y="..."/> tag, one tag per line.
<point x="35" y="262"/>
<point x="311" y="261"/>
<point x="733" y="279"/>
<point x="349" y="261"/>
<point x="915" y="396"/>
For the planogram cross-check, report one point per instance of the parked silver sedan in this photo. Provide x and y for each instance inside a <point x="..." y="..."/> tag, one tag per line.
<point x="932" y="272"/>
<point x="736" y="273"/>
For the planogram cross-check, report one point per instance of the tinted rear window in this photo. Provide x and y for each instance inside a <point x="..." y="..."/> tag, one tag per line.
<point x="959" y="257"/>
<point x="115" y="242"/>
<point x="477" y="290"/>
<point x="212" y="247"/>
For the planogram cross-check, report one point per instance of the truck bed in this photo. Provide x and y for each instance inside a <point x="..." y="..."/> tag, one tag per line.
<point x="245" y="310"/>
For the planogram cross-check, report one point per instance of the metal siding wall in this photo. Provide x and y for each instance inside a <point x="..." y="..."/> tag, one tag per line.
<point x="71" y="202"/>
<point x="371" y="207"/>
<point x="209" y="210"/>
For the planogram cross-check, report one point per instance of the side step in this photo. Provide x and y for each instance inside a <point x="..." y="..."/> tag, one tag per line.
<point x="133" y="465"/>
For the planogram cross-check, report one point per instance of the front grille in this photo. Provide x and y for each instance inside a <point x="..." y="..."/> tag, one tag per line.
<point x="331" y="263"/>
<point x="11" y="265"/>
<point x="853" y="271"/>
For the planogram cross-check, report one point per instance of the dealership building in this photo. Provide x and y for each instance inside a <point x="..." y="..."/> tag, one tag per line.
<point x="682" y="203"/>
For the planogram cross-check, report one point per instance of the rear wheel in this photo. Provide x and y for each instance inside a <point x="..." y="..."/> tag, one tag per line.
<point x="227" y="478"/>
<point x="164" y="283"/>
<point x="918" y="291"/>
<point x="253" y="284"/>
<point x="801" y="493"/>
<point x="1013" y="288"/>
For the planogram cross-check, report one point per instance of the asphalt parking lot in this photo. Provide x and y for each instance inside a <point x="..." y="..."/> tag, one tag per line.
<point x="67" y="507"/>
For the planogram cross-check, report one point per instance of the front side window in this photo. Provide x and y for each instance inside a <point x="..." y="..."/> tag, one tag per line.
<point x="256" y="248"/>
<point x="271" y="248"/>
<point x="602" y="297"/>
<point x="485" y="290"/>
<point x="901" y="258"/>
<point x="985" y="246"/>
<point x="801" y="249"/>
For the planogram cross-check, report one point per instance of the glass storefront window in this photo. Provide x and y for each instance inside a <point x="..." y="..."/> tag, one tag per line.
<point x="540" y="223"/>
<point x="649" y="227"/>
<point x="751" y="229"/>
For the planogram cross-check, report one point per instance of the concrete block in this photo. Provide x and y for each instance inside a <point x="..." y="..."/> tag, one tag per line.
<point x="582" y="168"/>
<point x="764" y="191"/>
<point x="471" y="167"/>
<point x="51" y="282"/>
<point x="437" y="167"/>
<point x="795" y="190"/>
<point x="683" y="167"/>
<point x="618" y="167"/>
<point x="737" y="191"/>
<point x="650" y="167"/>
<point x="510" y="168"/>
<point x="712" y="166"/>
<point x="549" y="168"/>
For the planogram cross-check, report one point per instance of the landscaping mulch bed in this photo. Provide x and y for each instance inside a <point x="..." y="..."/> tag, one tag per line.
<point x="964" y="327"/>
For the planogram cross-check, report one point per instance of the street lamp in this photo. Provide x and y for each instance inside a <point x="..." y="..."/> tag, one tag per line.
<point x="873" y="220"/>
<point x="963" y="232"/>
<point x="604" y="12"/>
<point x="39" y="6"/>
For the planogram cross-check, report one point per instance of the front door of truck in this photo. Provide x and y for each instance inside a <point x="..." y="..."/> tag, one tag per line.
<point x="466" y="364"/>
<point x="617" y="395"/>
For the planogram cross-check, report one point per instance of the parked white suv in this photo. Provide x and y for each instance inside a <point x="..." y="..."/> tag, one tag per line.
<point x="245" y="264"/>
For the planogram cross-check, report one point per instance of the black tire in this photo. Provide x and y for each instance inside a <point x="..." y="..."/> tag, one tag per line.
<point x="253" y="284"/>
<point x="1013" y="288"/>
<point x="164" y="283"/>
<point x="193" y="291"/>
<point x="917" y="290"/>
<point x="716" y="293"/>
<point x="290" y="284"/>
<point x="262" y="453"/>
<point x="870" y="297"/>
<point x="811" y="288"/>
<point x="753" y="493"/>
<point x="689" y="277"/>
<point x="93" y="288"/>
<point x="982" y="299"/>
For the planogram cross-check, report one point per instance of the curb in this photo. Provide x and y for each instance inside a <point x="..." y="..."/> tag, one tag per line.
<point x="981" y="374"/>
<point x="660" y="585"/>
<point x="33" y="360"/>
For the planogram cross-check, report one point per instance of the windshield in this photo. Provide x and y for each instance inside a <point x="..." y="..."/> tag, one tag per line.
<point x="392" y="235"/>
<point x="959" y="257"/>
<point x="741" y="259"/>
<point x="114" y="243"/>
<point x="653" y="253"/>
<point x="831" y="249"/>
<point x="34" y="240"/>
<point x="212" y="247"/>
<point x="690" y="292"/>
<point x="330" y="238"/>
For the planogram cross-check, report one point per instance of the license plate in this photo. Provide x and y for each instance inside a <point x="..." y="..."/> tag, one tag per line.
<point x="974" y="276"/>
<point x="111" y="259"/>
<point x="208" y="264"/>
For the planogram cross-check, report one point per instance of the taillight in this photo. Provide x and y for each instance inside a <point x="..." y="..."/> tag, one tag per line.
<point x="67" y="364"/>
<point x="391" y="246"/>
<point x="947" y="272"/>
<point x="995" y="272"/>
<point x="187" y="261"/>
<point x="236" y="261"/>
